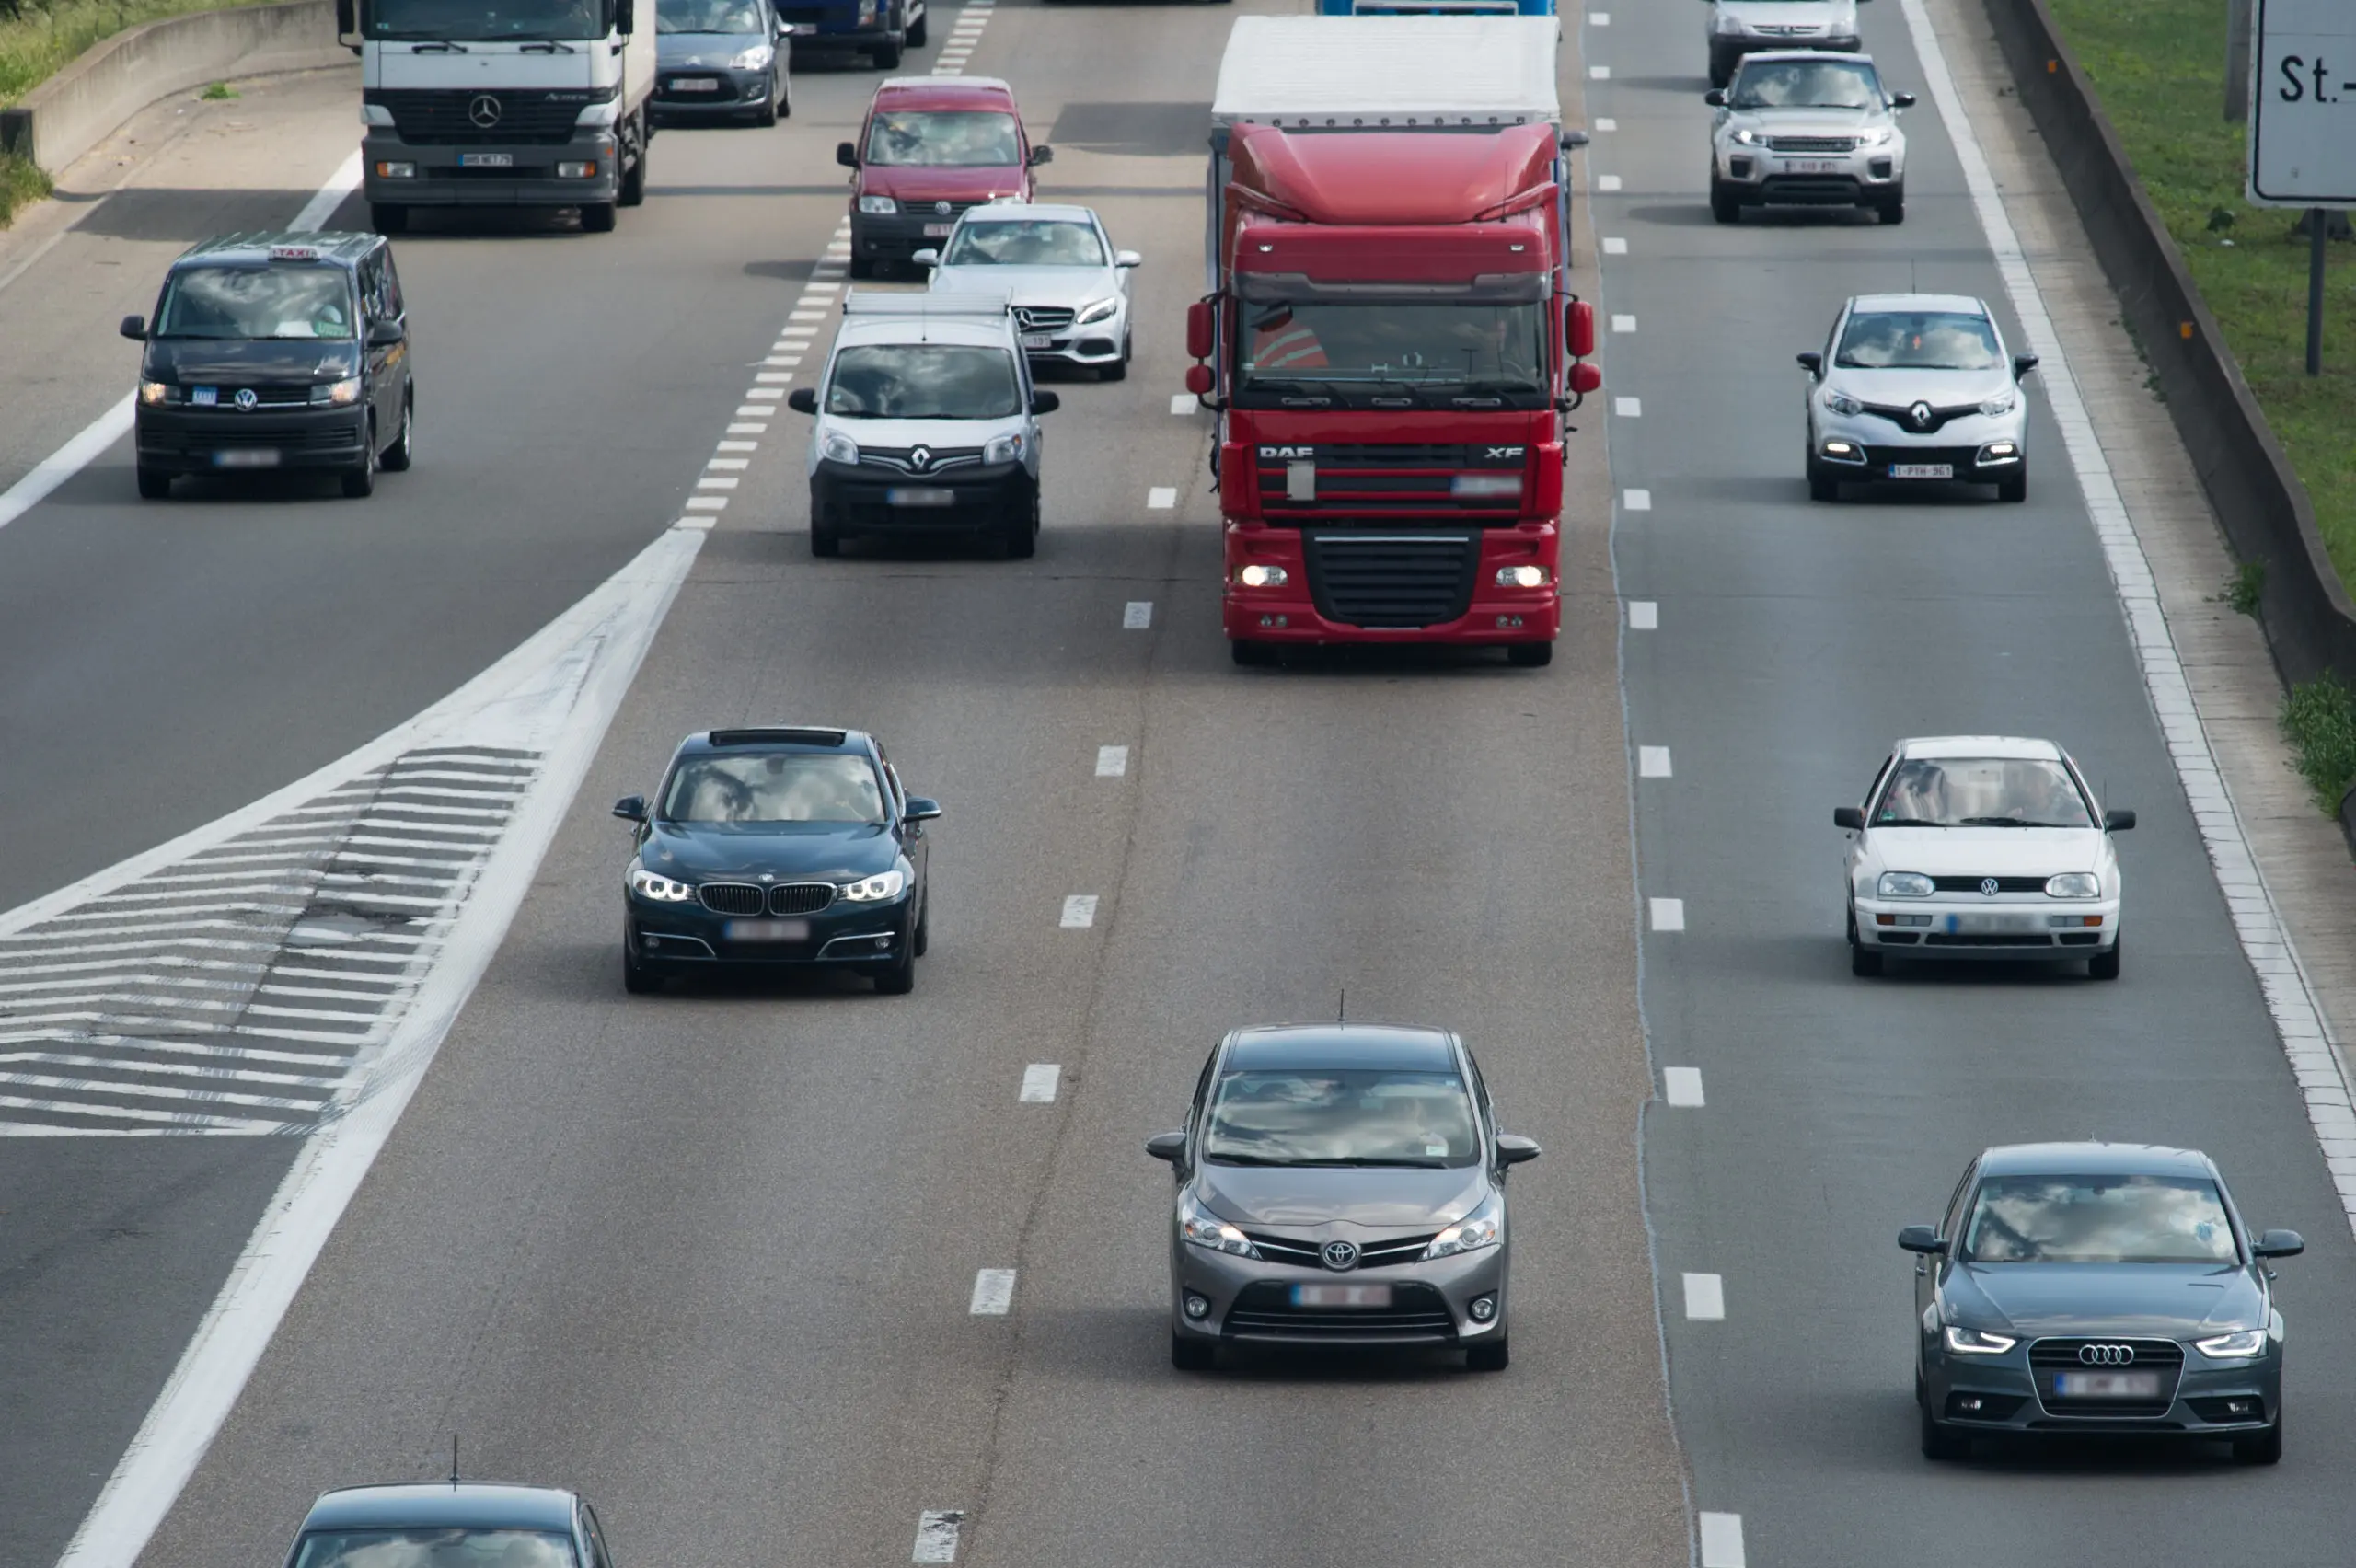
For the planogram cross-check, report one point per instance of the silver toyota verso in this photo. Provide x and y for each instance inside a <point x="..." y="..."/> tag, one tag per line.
<point x="1340" y="1186"/>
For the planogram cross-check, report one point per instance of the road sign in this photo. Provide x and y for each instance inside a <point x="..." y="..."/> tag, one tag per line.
<point x="2302" y="118"/>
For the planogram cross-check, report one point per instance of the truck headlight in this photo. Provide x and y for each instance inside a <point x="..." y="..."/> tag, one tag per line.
<point x="660" y="888"/>
<point x="339" y="393"/>
<point x="756" y="58"/>
<point x="866" y="12"/>
<point x="596" y="116"/>
<point x="878" y="206"/>
<point x="1904" y="884"/>
<point x="1261" y="574"/>
<point x="1841" y="403"/>
<point x="1007" y="448"/>
<point x="837" y="447"/>
<point x="1523" y="577"/>
<point x="2073" y="884"/>
<point x="875" y="889"/>
<point x="1096" y="310"/>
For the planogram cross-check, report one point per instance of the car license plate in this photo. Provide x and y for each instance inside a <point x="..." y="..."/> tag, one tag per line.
<point x="767" y="930"/>
<point x="695" y="85"/>
<point x="938" y="231"/>
<point x="204" y="396"/>
<point x="247" y="457"/>
<point x="919" y="495"/>
<point x="1991" y="925"/>
<point x="1922" y="470"/>
<point x="486" y="160"/>
<point x="1037" y="339"/>
<point x="1812" y="166"/>
<point x="1345" y="1296"/>
<point x="2142" y="1386"/>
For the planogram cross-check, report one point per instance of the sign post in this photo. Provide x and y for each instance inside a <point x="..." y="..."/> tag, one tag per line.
<point x="2303" y="126"/>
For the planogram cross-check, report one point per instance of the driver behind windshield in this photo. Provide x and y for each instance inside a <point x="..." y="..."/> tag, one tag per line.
<point x="1028" y="242"/>
<point x="737" y="17"/>
<point x="1918" y="340"/>
<point x="1806" y="84"/>
<point x="943" y="139"/>
<point x="1982" y="792"/>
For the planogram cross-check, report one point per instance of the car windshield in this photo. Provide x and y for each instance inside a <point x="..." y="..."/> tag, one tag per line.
<point x="1806" y="84"/>
<point x="775" y="787"/>
<point x="962" y="138"/>
<point x="924" y="381"/>
<point x="1340" y="1116"/>
<point x="1027" y="242"/>
<point x="435" y="1548"/>
<point x="1957" y="791"/>
<point x="736" y="17"/>
<point x="1366" y="354"/>
<point x="2097" y="1219"/>
<point x="1919" y="339"/>
<point x="458" y="20"/>
<point x="256" y="302"/>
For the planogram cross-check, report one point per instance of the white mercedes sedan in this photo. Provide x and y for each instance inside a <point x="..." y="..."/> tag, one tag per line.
<point x="1057" y="267"/>
<point x="1986" y="846"/>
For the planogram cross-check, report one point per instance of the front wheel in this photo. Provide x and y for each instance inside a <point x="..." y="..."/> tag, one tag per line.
<point x="2105" y="965"/>
<point x="916" y="31"/>
<point x="2014" y="489"/>
<point x="1251" y="654"/>
<point x="597" y="217"/>
<point x="1120" y="369"/>
<point x="154" y="484"/>
<point x="400" y="454"/>
<point x="1724" y="207"/>
<point x="899" y="977"/>
<point x="1490" y="1355"/>
<point x="1941" y="1442"/>
<point x="388" y="217"/>
<point x="924" y="928"/>
<point x="767" y="116"/>
<point x="1530" y="655"/>
<point x="2261" y="1447"/>
<point x="1892" y="211"/>
<point x="638" y="979"/>
<point x="1190" y="1355"/>
<point x="361" y="482"/>
<point x="887" y="58"/>
<point x="1864" y="962"/>
<point x="1019" y="536"/>
<point x="1821" y="485"/>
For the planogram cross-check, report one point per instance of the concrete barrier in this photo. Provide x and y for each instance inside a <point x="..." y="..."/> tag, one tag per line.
<point x="2310" y="621"/>
<point x="82" y="105"/>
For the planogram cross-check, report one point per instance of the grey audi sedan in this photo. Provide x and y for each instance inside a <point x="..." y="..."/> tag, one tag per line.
<point x="2100" y="1288"/>
<point x="1340" y="1186"/>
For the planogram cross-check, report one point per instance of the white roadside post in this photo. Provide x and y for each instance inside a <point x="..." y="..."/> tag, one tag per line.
<point x="2303" y="126"/>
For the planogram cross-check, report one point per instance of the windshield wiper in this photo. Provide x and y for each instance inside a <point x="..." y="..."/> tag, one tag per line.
<point x="547" y="44"/>
<point x="1908" y="822"/>
<point x="1360" y="1160"/>
<point x="1223" y="1159"/>
<point x="427" y="43"/>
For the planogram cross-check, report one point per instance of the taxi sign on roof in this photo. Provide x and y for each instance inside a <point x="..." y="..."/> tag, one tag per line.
<point x="293" y="253"/>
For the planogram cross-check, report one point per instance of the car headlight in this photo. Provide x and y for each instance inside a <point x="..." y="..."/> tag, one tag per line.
<point x="1199" y="1228"/>
<point x="1523" y="577"/>
<point x="1007" y="448"/>
<point x="2002" y="403"/>
<point x="1976" y="1342"/>
<point x="660" y="888"/>
<point x="154" y="392"/>
<point x="1881" y="136"/>
<point x="2073" y="884"/>
<point x="1841" y="403"/>
<point x="837" y="447"/>
<point x="1723" y="23"/>
<point x="1904" y="884"/>
<point x="866" y="12"/>
<point x="1474" y="1231"/>
<point x="2233" y="1346"/>
<point x="755" y="58"/>
<point x="1750" y="138"/>
<point x="1097" y="310"/>
<point x="878" y="206"/>
<point x="1260" y="574"/>
<point x="875" y="889"/>
<point x="338" y="392"/>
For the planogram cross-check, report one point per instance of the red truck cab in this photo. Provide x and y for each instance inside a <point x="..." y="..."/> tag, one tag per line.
<point x="930" y="148"/>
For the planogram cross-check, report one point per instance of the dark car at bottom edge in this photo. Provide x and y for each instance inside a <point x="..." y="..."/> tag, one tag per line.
<point x="449" y="1524"/>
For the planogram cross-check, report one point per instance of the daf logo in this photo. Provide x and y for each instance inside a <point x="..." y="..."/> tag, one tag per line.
<point x="483" y="110"/>
<point x="1288" y="452"/>
<point x="920" y="457"/>
<point x="246" y="398"/>
<point x="1987" y="887"/>
<point x="1496" y="453"/>
<point x="941" y="208"/>
<point x="2107" y="1355"/>
<point x="1340" y="1256"/>
<point x="1921" y="414"/>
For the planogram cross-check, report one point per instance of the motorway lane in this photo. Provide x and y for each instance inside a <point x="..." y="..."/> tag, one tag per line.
<point x="1795" y="641"/>
<point x="707" y="1256"/>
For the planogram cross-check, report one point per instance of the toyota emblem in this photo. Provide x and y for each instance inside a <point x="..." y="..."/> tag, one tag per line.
<point x="2107" y="1355"/>
<point x="1987" y="887"/>
<point x="483" y="110"/>
<point x="941" y="208"/>
<point x="246" y="398"/>
<point x="1921" y="414"/>
<point x="920" y="457"/>
<point x="1340" y="1256"/>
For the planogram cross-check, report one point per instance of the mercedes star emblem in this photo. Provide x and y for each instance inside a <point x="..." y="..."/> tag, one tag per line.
<point x="1921" y="414"/>
<point x="2107" y="1355"/>
<point x="1340" y="1256"/>
<point x="246" y="398"/>
<point x="1987" y="887"/>
<point x="920" y="457"/>
<point x="483" y="110"/>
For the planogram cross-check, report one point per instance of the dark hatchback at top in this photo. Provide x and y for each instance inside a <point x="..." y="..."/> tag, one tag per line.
<point x="776" y="847"/>
<point x="449" y="1524"/>
<point x="275" y="351"/>
<point x="2096" y="1288"/>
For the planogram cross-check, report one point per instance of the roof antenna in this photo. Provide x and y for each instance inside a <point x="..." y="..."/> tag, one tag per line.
<point x="1342" y="1007"/>
<point x="454" y="1461"/>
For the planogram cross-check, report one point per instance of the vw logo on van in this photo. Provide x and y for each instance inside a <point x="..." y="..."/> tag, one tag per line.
<point x="1987" y="887"/>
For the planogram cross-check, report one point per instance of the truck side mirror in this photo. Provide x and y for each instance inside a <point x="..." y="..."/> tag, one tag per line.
<point x="846" y="154"/>
<point x="1586" y="379"/>
<point x="802" y="399"/>
<point x="1578" y="328"/>
<point x="1574" y="139"/>
<point x="625" y="17"/>
<point x="134" y="327"/>
<point x="1198" y="380"/>
<point x="1201" y="329"/>
<point x="346" y="18"/>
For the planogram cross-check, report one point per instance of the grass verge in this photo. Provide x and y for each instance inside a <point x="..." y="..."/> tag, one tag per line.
<point x="2319" y="721"/>
<point x="20" y="182"/>
<point x="38" y="36"/>
<point x="2158" y="66"/>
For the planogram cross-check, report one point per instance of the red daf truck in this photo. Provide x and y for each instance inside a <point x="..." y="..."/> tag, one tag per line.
<point x="1389" y="339"/>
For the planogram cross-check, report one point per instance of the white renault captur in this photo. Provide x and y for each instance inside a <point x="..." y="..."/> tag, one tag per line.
<point x="1070" y="288"/>
<point x="926" y="420"/>
<point x="1982" y="846"/>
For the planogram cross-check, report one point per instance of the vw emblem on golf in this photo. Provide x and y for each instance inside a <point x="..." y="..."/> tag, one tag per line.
<point x="483" y="110"/>
<point x="920" y="457"/>
<point x="1340" y="1256"/>
<point x="246" y="398"/>
<point x="1921" y="414"/>
<point x="2107" y="1355"/>
<point x="941" y="208"/>
<point x="1987" y="887"/>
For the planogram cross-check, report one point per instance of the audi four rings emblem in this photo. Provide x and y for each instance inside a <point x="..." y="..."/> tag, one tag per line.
<point x="1987" y="887"/>
<point x="483" y="110"/>
<point x="1340" y="1255"/>
<point x="2107" y="1355"/>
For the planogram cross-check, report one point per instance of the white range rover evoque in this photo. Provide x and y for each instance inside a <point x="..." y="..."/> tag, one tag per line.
<point x="1987" y="847"/>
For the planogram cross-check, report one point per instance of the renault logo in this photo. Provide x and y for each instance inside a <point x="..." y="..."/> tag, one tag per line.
<point x="483" y="110"/>
<point x="1921" y="414"/>
<point x="246" y="398"/>
<point x="920" y="457"/>
<point x="1340" y="1256"/>
<point x="1987" y="887"/>
<point x="2107" y="1355"/>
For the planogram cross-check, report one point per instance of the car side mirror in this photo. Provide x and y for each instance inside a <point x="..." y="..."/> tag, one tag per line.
<point x="1851" y="817"/>
<point x="1039" y="155"/>
<point x="1813" y="362"/>
<point x="1515" y="1149"/>
<point x="134" y="327"/>
<point x="927" y="256"/>
<point x="1044" y="401"/>
<point x="1127" y="258"/>
<point x="1902" y="100"/>
<point x="802" y="399"/>
<point x="846" y="154"/>
<point x="1170" y="1147"/>
<point x="2279" y="1244"/>
<point x="630" y="808"/>
<point x="1715" y="97"/>
<point x="2117" y="820"/>
<point x="384" y="334"/>
<point x="922" y="809"/>
<point x="2023" y="365"/>
<point x="1921" y="1238"/>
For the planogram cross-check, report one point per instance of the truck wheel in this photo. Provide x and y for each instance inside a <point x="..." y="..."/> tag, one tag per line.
<point x="1530" y="655"/>
<point x="632" y="193"/>
<point x="887" y="58"/>
<point x="597" y="217"/>
<point x="397" y="456"/>
<point x="155" y="485"/>
<point x="916" y="31"/>
<point x="388" y="217"/>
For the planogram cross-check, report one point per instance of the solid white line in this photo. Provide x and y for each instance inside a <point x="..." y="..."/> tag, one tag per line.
<point x="1644" y="615"/>
<point x="1605" y="123"/>
<point x="1628" y="408"/>
<point x="1162" y="498"/>
<point x="1136" y="615"/>
<point x="329" y="197"/>
<point x="1637" y="500"/>
<point x="1721" y="1540"/>
<point x="1624" y="323"/>
<point x="1040" y="1081"/>
<point x="1079" y="912"/>
<point x="1614" y="246"/>
<point x="1599" y="73"/>
<point x="993" y="1293"/>
<point x="1668" y="914"/>
<point x="1706" y="1298"/>
<point x="1599" y="19"/>
<point x="1652" y="762"/>
<point x="937" y="1534"/>
<point x="1682" y="1087"/>
<point x="1112" y="762"/>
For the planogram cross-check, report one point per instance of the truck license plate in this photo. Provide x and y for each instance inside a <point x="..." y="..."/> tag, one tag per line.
<point x="486" y="160"/>
<point x="919" y="495"/>
<point x="1359" y="1296"/>
<point x="247" y="457"/>
<point x="1922" y="470"/>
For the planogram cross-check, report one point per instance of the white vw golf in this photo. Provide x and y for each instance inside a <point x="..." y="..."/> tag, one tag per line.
<point x="1985" y="846"/>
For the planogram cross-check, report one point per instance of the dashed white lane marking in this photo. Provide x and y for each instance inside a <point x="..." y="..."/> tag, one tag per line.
<point x="701" y="525"/>
<point x="1040" y="1081"/>
<point x="753" y="411"/>
<point x="993" y="1293"/>
<point x="1112" y="762"/>
<point x="1079" y="912"/>
<point x="707" y="504"/>
<point x="1162" y="498"/>
<point x="736" y="446"/>
<point x="1705" y="1298"/>
<point x="1721" y="1540"/>
<point x="1668" y="914"/>
<point x="1136" y="615"/>
<point x="1637" y="500"/>
<point x="1599" y="19"/>
<point x="1644" y="615"/>
<point x="773" y="393"/>
<point x="1652" y="762"/>
<point x="937" y="1534"/>
<point x="806" y="316"/>
<point x="1605" y="122"/>
<point x="1614" y="246"/>
<point x="1682" y="1087"/>
<point x="1624" y="323"/>
<point x="1185" y="403"/>
<point x="731" y="464"/>
<point x="743" y="429"/>
<point x="718" y="482"/>
<point x="1608" y="182"/>
<point x="1628" y="408"/>
<point x="1599" y="73"/>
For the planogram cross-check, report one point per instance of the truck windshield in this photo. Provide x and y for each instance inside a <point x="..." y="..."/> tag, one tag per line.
<point x="256" y="302"/>
<point x="1371" y="353"/>
<point x="734" y="17"/>
<point x="923" y="381"/>
<point x="473" y="22"/>
<point x="943" y="139"/>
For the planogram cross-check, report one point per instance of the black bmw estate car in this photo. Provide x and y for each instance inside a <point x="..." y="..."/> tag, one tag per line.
<point x="776" y="847"/>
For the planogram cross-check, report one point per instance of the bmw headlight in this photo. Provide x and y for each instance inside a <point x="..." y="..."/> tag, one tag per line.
<point x="660" y="888"/>
<point x="875" y="889"/>
<point x="878" y="206"/>
<point x="1977" y="1342"/>
<point x="1474" y="1231"/>
<point x="1841" y="403"/>
<point x="1199" y="1227"/>
<point x="2073" y="884"/>
<point x="1750" y="138"/>
<point x="1904" y="884"/>
<point x="1097" y="310"/>
<point x="837" y="447"/>
<point x="2235" y="1346"/>
<point x="756" y="58"/>
<point x="338" y="392"/>
<point x="1007" y="448"/>
<point x="2001" y="404"/>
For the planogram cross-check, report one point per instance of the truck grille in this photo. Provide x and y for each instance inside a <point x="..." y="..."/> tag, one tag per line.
<point x="1373" y="480"/>
<point x="2049" y="1357"/>
<point x="1264" y="1310"/>
<point x="451" y="117"/>
<point x="1391" y="579"/>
